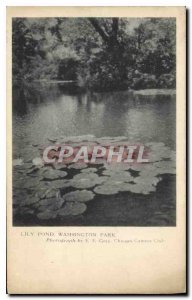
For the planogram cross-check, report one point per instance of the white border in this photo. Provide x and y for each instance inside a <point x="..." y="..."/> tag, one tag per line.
<point x="3" y="5"/>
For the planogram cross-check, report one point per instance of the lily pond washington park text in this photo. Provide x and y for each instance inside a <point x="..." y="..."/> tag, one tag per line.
<point x="94" y="121"/>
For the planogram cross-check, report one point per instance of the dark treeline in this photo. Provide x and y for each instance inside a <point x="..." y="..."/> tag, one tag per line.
<point x="100" y="54"/>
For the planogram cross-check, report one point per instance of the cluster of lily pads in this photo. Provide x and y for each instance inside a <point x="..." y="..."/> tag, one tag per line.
<point x="57" y="191"/>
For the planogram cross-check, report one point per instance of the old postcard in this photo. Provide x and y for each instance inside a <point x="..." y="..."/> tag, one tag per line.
<point x="96" y="138"/>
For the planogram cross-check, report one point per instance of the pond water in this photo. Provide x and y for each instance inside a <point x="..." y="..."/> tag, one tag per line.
<point x="51" y="112"/>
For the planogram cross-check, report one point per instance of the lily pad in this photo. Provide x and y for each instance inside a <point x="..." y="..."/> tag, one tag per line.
<point x="59" y="166"/>
<point x="27" y="166"/>
<point x="54" y="174"/>
<point x="50" y="204"/>
<point x="29" y="211"/>
<point x="52" y="140"/>
<point x="83" y="180"/>
<point x="78" y="166"/>
<point x="52" y="184"/>
<point x="62" y="183"/>
<point x="166" y="167"/>
<point x="37" y="161"/>
<point x="79" y="196"/>
<point x="141" y="188"/>
<point x="89" y="170"/>
<point x="19" y="196"/>
<point x="106" y="189"/>
<point x="29" y="201"/>
<point x="149" y="170"/>
<point x="30" y="182"/>
<point x="25" y="211"/>
<point x="137" y="167"/>
<point x="17" y="162"/>
<point x="147" y="180"/>
<point x="118" y="166"/>
<point x="47" y="214"/>
<point x="18" y="180"/>
<point x="33" y="171"/>
<point x="73" y="209"/>
<point x="47" y="193"/>
<point x="158" y="152"/>
<point x="119" y="175"/>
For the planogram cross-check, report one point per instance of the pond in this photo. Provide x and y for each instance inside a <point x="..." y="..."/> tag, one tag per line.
<point x="45" y="113"/>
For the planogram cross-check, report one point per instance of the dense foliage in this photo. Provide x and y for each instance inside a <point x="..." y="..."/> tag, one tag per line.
<point x="99" y="53"/>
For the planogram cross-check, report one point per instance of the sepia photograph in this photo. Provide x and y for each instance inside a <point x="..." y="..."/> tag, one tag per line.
<point x="94" y="121"/>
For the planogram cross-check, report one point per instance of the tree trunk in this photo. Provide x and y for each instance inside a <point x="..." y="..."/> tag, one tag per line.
<point x="111" y="38"/>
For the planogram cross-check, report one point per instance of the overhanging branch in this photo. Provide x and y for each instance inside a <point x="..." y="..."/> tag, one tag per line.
<point x="99" y="29"/>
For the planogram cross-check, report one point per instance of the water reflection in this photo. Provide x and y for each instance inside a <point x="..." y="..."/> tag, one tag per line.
<point x="53" y="111"/>
<point x="43" y="111"/>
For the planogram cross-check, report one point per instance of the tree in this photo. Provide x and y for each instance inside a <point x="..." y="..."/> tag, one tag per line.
<point x="101" y="53"/>
<point x="23" y="46"/>
<point x="108" y="30"/>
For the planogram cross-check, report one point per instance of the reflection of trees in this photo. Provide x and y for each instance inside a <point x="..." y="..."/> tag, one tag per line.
<point x="84" y="100"/>
<point x="115" y="111"/>
<point x="23" y="95"/>
<point x="152" y="118"/>
<point x="19" y="101"/>
<point x="111" y="110"/>
<point x="70" y="88"/>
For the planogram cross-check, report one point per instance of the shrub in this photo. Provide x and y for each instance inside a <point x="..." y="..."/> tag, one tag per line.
<point x="67" y="69"/>
<point x="144" y="81"/>
<point x="166" y="81"/>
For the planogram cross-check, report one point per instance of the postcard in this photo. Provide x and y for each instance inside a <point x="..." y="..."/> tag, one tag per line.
<point x="96" y="150"/>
